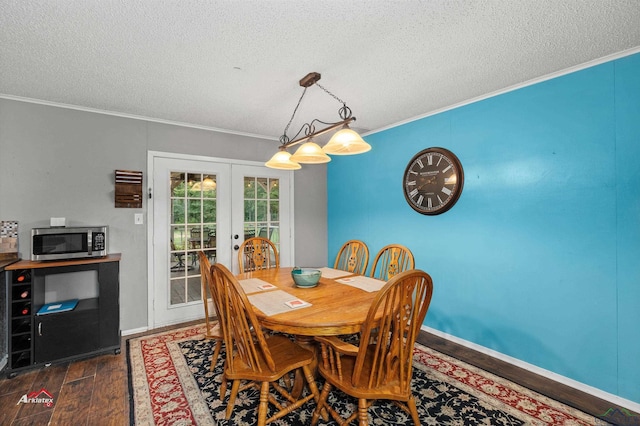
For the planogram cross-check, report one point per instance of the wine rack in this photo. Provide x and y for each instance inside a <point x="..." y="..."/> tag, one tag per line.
<point x="21" y="332"/>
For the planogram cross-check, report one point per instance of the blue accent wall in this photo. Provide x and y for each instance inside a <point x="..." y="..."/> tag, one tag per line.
<point x="539" y="258"/>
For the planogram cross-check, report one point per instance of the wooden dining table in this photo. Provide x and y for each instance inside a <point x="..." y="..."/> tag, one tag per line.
<point x="335" y="309"/>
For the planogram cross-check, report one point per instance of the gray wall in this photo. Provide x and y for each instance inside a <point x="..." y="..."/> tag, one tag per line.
<point x="58" y="162"/>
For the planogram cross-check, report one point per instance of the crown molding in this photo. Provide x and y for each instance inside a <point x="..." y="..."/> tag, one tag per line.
<point x="531" y="82"/>
<point x="132" y="116"/>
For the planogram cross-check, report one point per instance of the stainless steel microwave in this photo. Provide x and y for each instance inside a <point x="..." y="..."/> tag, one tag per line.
<point x="69" y="243"/>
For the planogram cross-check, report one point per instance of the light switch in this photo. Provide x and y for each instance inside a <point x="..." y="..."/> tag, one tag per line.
<point x="138" y="218"/>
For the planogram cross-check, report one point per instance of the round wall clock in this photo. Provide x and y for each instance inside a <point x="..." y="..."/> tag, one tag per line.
<point x="433" y="181"/>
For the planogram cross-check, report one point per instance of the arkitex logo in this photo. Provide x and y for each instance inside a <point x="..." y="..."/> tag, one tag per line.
<point x="38" y="397"/>
<point x="620" y="417"/>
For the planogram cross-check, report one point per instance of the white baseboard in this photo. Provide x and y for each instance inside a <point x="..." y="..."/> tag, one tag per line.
<point x="614" y="399"/>
<point x="134" y="331"/>
<point x="160" y="325"/>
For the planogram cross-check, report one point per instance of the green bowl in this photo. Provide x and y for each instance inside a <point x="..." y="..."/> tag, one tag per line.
<point x="306" y="278"/>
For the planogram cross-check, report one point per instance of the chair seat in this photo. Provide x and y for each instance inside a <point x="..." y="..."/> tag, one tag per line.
<point x="390" y="390"/>
<point x="215" y="332"/>
<point x="286" y="354"/>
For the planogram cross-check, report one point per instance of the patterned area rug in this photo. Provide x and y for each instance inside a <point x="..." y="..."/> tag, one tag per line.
<point x="171" y="384"/>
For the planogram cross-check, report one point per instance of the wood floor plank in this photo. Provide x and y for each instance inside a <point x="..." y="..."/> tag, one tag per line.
<point x="8" y="407"/>
<point x="36" y="419"/>
<point x="110" y="399"/>
<point x="81" y="369"/>
<point x="73" y="406"/>
<point x="20" y="383"/>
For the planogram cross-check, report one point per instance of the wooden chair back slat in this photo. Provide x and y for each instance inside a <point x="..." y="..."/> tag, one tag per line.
<point x="241" y="328"/>
<point x="257" y="253"/>
<point x="353" y="257"/>
<point x="390" y="261"/>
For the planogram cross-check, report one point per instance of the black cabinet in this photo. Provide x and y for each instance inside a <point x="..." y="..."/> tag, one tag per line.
<point x="92" y="327"/>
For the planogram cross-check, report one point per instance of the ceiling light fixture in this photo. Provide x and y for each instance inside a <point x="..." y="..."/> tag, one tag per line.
<point x="344" y="142"/>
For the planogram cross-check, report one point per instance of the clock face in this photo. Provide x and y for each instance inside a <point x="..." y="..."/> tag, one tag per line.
<point x="433" y="181"/>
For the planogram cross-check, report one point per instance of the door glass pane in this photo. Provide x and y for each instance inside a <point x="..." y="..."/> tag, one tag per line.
<point x="261" y="208"/>
<point x="192" y="228"/>
<point x="262" y="190"/>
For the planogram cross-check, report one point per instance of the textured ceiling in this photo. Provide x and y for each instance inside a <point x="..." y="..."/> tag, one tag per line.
<point x="235" y="65"/>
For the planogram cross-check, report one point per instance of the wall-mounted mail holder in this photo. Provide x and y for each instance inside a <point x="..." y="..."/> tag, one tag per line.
<point x="128" y="189"/>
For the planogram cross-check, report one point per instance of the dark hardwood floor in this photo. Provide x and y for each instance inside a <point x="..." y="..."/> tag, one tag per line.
<point x="95" y="390"/>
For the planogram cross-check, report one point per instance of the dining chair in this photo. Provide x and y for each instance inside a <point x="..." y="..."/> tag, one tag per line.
<point x="179" y="266"/>
<point x="257" y="253"/>
<point x="214" y="331"/>
<point x="381" y="369"/>
<point x="251" y="355"/>
<point x="353" y="257"/>
<point x="390" y="261"/>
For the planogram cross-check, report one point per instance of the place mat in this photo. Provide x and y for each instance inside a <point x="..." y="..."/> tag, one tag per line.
<point x="255" y="285"/>
<point x="363" y="283"/>
<point x="276" y="302"/>
<point x="334" y="273"/>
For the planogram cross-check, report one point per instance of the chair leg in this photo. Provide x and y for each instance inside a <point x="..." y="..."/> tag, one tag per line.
<point x="223" y="387"/>
<point x="216" y="353"/>
<point x="322" y="401"/>
<point x="264" y="404"/>
<point x="411" y="403"/>
<point x="232" y="397"/>
<point x="363" y="407"/>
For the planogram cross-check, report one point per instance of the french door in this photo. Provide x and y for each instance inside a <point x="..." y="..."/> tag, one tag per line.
<point x="261" y="208"/>
<point x="207" y="204"/>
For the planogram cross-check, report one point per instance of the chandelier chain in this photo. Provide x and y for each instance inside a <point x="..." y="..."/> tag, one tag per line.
<point x="294" y="113"/>
<point x="328" y="92"/>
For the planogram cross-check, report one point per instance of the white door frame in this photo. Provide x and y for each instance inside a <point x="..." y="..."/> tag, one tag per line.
<point x="151" y="156"/>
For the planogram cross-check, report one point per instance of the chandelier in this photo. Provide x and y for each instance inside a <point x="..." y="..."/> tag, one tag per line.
<point x="344" y="142"/>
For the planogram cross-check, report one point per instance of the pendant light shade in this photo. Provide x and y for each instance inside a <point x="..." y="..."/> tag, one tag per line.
<point x="346" y="142"/>
<point x="282" y="160"/>
<point x="207" y="184"/>
<point x="310" y="153"/>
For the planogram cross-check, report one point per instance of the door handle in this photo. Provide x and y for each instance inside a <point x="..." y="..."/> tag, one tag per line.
<point x="236" y="236"/>
<point x="236" y="247"/>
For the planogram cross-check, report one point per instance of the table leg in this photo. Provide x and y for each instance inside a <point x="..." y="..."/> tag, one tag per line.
<point x="307" y="342"/>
